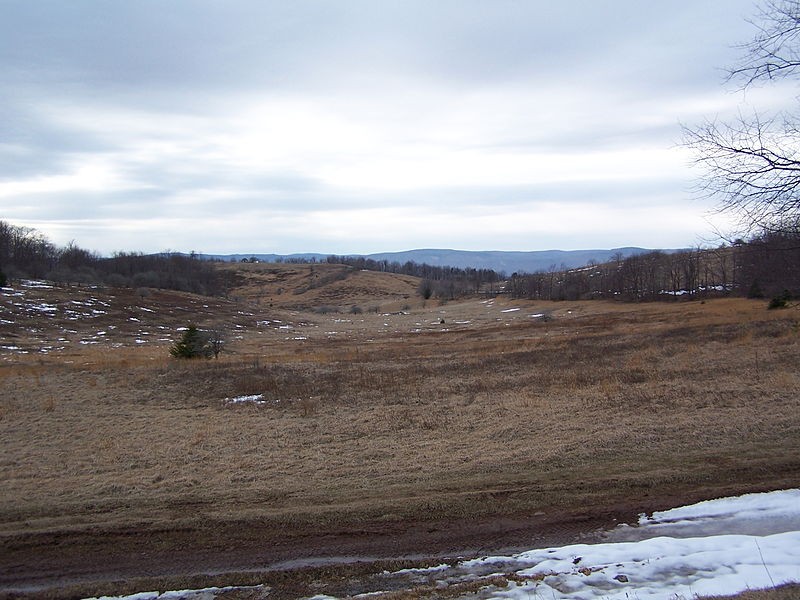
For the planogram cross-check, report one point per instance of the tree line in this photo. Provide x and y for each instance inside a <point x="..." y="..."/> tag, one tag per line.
<point x="27" y="253"/>
<point x="444" y="282"/>
<point x="766" y="265"/>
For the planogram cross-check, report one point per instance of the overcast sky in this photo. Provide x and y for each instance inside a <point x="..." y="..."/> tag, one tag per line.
<point x="343" y="126"/>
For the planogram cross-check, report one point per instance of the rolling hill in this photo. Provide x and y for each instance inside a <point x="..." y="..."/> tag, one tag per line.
<point x="509" y="262"/>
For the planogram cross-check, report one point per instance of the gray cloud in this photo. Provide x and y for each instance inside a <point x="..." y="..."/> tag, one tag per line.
<point x="335" y="123"/>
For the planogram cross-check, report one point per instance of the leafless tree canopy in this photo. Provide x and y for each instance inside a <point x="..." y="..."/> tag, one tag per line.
<point x="753" y="164"/>
<point x="775" y="50"/>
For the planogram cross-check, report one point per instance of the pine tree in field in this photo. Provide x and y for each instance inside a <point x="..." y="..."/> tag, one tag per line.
<point x="193" y="344"/>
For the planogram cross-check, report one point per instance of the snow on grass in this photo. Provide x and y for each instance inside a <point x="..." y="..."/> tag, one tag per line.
<point x="666" y="567"/>
<point x="751" y="506"/>
<point x="424" y="571"/>
<point x="252" y="399"/>
<point x="509" y="310"/>
<point x="36" y="284"/>
<point x="204" y="594"/>
<point x="661" y="567"/>
<point x="43" y="307"/>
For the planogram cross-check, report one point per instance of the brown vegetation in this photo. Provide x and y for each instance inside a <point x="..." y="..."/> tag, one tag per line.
<point x="784" y="592"/>
<point x="423" y="431"/>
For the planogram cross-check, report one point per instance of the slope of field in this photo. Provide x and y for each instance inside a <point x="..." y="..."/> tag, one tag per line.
<point x="445" y="430"/>
<point x="321" y="286"/>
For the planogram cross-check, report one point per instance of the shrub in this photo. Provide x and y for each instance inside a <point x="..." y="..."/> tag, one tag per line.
<point x="193" y="344"/>
<point x="755" y="291"/>
<point x="781" y="301"/>
<point x="326" y="310"/>
<point x="3" y="279"/>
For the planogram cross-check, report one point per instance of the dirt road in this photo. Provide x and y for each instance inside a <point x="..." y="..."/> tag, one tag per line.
<point x="297" y="561"/>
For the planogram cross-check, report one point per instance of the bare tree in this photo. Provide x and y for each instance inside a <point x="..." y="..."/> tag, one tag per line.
<point x="753" y="164"/>
<point x="773" y="52"/>
<point x="216" y="341"/>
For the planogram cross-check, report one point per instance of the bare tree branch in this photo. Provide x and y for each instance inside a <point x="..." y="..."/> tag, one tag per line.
<point x="753" y="164"/>
<point x="774" y="52"/>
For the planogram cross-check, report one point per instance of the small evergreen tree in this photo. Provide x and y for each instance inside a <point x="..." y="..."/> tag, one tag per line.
<point x="755" y="291"/>
<point x="781" y="301"/>
<point x="3" y="279"/>
<point x="193" y="344"/>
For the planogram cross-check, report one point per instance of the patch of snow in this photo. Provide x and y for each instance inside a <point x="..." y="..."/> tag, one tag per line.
<point x="442" y="567"/>
<point x="510" y="310"/>
<point x="44" y="307"/>
<point x="139" y="596"/>
<point x="751" y="514"/>
<point x="659" y="568"/>
<point x="36" y="284"/>
<point x="202" y="594"/>
<point x="253" y="399"/>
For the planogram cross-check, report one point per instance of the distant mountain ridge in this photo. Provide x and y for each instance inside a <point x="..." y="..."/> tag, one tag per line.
<point x="498" y="260"/>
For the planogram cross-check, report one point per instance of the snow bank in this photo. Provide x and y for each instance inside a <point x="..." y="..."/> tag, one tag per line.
<point x="668" y="567"/>
<point x="658" y="568"/>
<point x="750" y="506"/>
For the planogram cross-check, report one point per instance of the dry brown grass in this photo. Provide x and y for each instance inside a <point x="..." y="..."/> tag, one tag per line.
<point x="338" y="287"/>
<point x="376" y="418"/>
<point x="784" y="592"/>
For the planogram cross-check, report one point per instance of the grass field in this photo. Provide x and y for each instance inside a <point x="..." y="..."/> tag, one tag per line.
<point x="372" y="422"/>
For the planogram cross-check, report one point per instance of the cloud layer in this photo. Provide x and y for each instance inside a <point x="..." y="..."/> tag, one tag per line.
<point x="362" y="126"/>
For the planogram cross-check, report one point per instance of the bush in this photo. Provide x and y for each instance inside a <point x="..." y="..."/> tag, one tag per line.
<point x="193" y="344"/>
<point x="781" y="301"/>
<point x="3" y="279"/>
<point x="755" y="291"/>
<point x="326" y="310"/>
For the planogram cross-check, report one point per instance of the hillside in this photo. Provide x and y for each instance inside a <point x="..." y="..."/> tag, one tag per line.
<point x="316" y="286"/>
<point x="429" y="430"/>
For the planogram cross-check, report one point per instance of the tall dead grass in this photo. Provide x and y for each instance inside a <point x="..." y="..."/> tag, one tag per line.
<point x="602" y="402"/>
